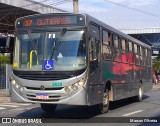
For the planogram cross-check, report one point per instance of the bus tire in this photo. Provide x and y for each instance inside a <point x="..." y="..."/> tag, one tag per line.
<point x="104" y="107"/>
<point x="140" y="93"/>
<point x="49" y="107"/>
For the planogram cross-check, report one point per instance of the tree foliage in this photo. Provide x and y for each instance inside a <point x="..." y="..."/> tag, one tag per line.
<point x="156" y="63"/>
<point x="4" y="59"/>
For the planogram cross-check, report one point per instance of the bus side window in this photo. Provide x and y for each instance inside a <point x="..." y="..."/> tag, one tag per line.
<point x="94" y="33"/>
<point x="124" y="51"/>
<point x="115" y="41"/>
<point x="136" y="52"/>
<point x="146" y="55"/>
<point x="135" y="48"/>
<point x="141" y="57"/>
<point x="107" y="37"/>
<point x="116" y="50"/>
<point x="94" y="46"/>
<point x="130" y="46"/>
<point x="130" y="55"/>
<point x="127" y="45"/>
<point x="107" y="50"/>
<point x="123" y="44"/>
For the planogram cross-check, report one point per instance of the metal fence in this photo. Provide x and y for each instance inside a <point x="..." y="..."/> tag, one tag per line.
<point x="5" y="75"/>
<point x="2" y="76"/>
<point x="8" y="76"/>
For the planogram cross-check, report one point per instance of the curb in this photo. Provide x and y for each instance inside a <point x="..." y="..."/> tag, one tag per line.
<point x="156" y="87"/>
<point x="5" y="99"/>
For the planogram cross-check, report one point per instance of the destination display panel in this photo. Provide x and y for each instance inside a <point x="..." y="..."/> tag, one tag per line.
<point x="50" y="20"/>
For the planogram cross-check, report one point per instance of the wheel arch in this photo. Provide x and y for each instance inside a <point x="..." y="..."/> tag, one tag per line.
<point x="108" y="86"/>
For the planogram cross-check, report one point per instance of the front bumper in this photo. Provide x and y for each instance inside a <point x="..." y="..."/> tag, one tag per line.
<point x="78" y="97"/>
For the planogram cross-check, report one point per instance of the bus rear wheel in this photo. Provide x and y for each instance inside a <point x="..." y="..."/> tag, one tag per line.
<point x="140" y="93"/>
<point x="49" y="107"/>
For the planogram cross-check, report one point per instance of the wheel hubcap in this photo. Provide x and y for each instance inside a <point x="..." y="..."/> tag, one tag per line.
<point x="140" y="92"/>
<point x="105" y="99"/>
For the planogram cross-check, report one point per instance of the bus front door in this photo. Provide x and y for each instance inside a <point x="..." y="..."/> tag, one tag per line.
<point x="95" y="86"/>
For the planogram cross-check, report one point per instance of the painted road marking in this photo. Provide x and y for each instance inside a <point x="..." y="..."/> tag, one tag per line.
<point x="1" y="108"/>
<point x="19" y="104"/>
<point x="14" y="106"/>
<point x="131" y="113"/>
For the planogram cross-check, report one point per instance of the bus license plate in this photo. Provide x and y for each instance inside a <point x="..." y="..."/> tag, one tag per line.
<point x="42" y="96"/>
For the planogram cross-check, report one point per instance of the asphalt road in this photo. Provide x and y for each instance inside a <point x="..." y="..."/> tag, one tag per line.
<point x="120" y="113"/>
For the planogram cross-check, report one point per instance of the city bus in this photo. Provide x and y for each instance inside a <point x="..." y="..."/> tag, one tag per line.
<point x="75" y="59"/>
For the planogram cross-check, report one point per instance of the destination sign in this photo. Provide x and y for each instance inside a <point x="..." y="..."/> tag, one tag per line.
<point x="50" y="20"/>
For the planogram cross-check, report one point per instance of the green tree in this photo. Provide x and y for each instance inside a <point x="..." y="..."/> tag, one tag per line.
<point x="4" y="59"/>
<point x="156" y="63"/>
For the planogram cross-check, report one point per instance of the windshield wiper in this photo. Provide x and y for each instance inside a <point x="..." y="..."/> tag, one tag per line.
<point x="60" y="40"/>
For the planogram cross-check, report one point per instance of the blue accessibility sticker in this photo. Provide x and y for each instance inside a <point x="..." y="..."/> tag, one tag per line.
<point x="48" y="64"/>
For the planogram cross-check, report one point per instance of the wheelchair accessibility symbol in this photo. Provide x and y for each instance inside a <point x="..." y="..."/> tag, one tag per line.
<point x="48" y="64"/>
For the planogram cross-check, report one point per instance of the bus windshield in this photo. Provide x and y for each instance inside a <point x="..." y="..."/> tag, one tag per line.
<point x="65" y="49"/>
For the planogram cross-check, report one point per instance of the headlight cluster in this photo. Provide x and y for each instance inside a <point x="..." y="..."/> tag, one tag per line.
<point x="13" y="82"/>
<point x="75" y="86"/>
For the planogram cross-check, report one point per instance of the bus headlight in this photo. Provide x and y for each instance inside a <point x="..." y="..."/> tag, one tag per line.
<point x="82" y="82"/>
<point x="67" y="89"/>
<point x="13" y="82"/>
<point x="74" y="87"/>
<point x="79" y="84"/>
<point x="17" y="85"/>
<point x="20" y="88"/>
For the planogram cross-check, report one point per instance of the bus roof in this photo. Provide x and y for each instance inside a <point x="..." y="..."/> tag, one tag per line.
<point x="109" y="28"/>
<point x="96" y="21"/>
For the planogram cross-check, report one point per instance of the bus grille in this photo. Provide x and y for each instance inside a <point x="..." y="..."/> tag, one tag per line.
<point x="47" y="75"/>
<point x="43" y="76"/>
<point x="36" y="88"/>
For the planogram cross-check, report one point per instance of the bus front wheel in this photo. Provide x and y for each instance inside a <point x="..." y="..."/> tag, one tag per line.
<point x="49" y="107"/>
<point x="104" y="107"/>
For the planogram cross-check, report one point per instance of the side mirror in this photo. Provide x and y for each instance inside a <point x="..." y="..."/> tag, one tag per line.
<point x="93" y="51"/>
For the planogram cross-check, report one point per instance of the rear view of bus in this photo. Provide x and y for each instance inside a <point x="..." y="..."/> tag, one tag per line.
<point x="50" y="60"/>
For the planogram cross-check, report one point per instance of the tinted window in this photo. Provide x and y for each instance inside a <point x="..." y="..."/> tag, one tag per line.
<point x="135" y="48"/>
<point x="130" y="46"/>
<point x="123" y="44"/>
<point x="115" y="41"/>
